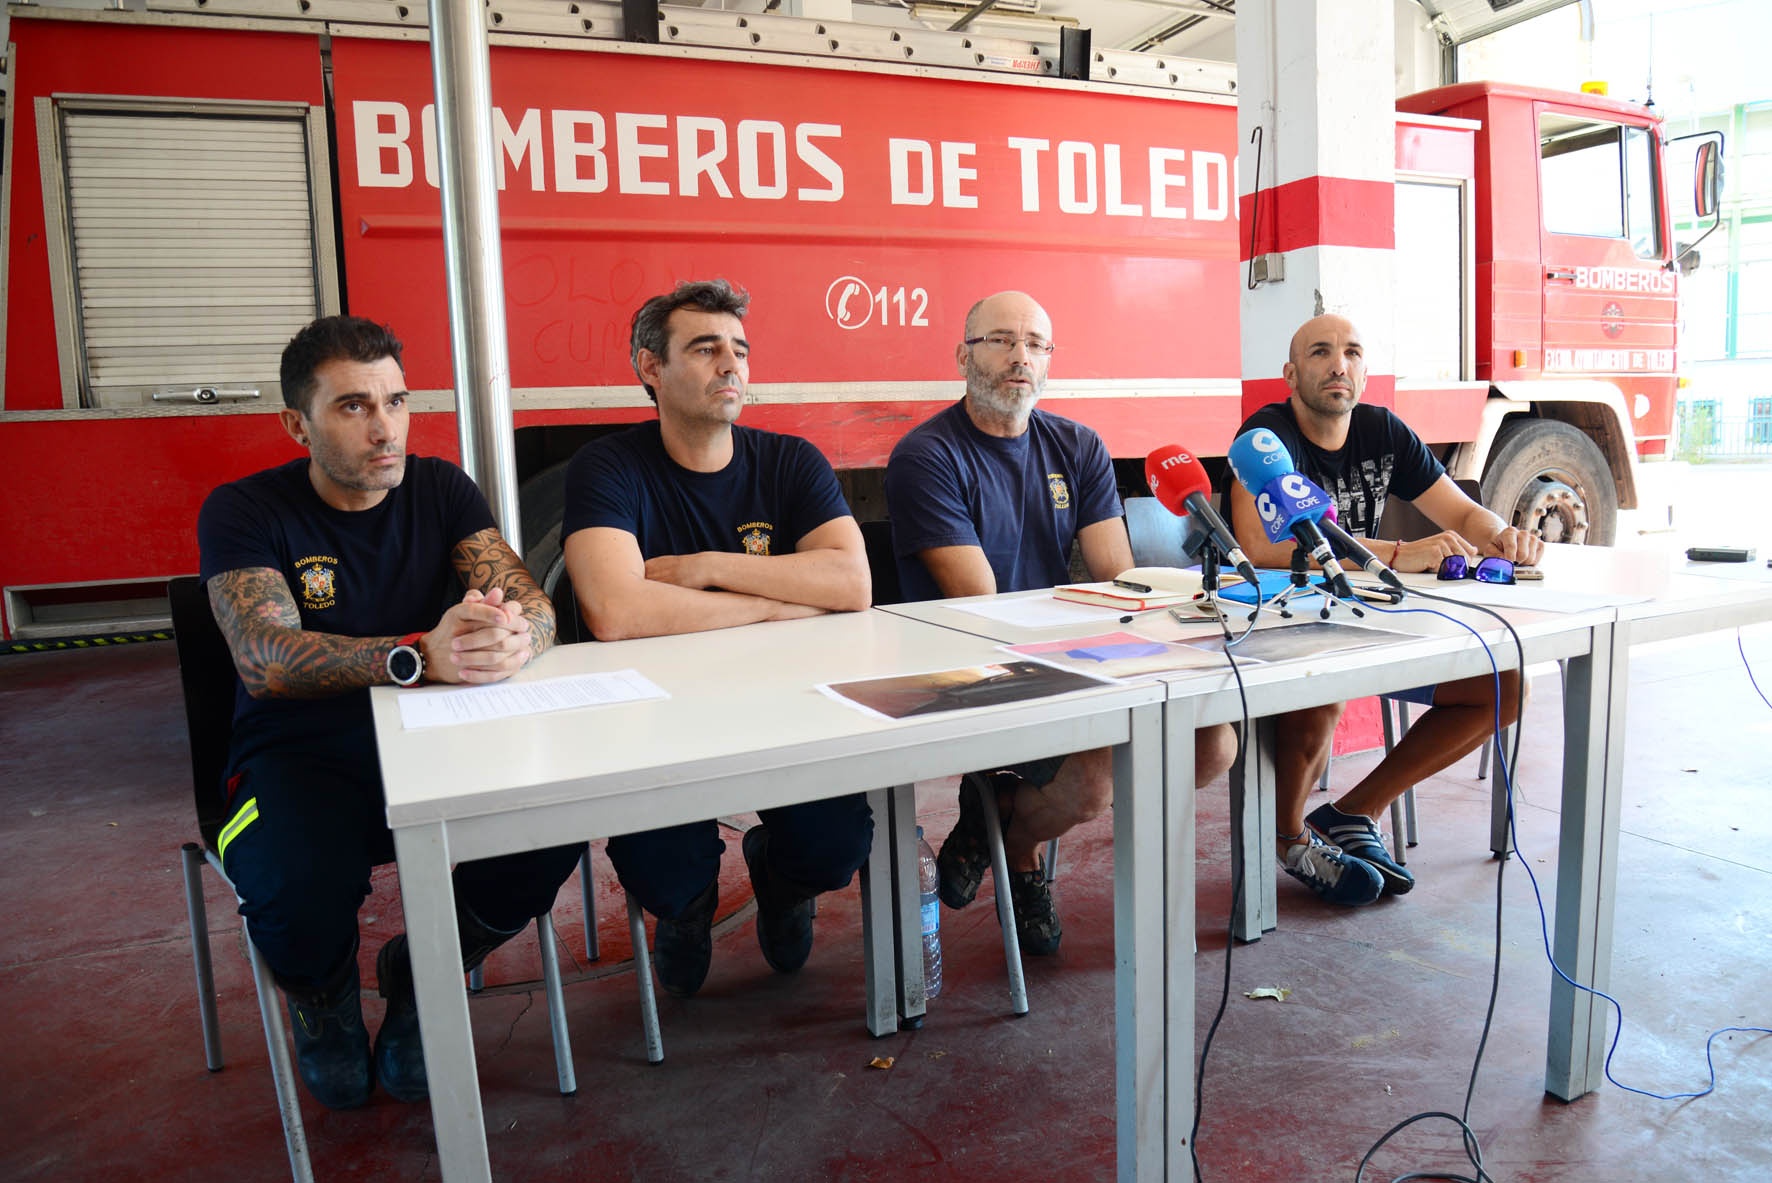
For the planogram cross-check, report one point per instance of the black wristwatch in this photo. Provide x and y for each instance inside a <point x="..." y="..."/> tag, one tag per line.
<point x="406" y="664"/>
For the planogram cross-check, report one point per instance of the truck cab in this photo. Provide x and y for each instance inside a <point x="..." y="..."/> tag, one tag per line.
<point x="1577" y="293"/>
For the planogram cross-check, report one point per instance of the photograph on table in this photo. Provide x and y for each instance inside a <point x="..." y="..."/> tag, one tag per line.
<point x="1121" y="656"/>
<point x="959" y="689"/>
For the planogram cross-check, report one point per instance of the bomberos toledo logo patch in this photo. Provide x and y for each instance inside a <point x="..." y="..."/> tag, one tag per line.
<point x="755" y="537"/>
<point x="1061" y="492"/>
<point x="317" y="575"/>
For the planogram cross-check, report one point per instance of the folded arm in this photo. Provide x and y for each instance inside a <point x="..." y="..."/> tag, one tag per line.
<point x="624" y="595"/>
<point x="828" y="570"/>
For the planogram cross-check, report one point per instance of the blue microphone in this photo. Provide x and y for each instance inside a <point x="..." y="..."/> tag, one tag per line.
<point x="1257" y="456"/>
<point x="1287" y="502"/>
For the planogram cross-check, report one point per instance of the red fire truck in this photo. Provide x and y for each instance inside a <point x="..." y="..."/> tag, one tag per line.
<point x="187" y="184"/>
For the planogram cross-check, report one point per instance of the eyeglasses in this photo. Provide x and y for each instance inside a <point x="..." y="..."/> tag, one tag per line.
<point x="1006" y="343"/>
<point x="1490" y="570"/>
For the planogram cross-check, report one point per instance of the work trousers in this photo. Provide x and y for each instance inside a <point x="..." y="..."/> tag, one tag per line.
<point x="307" y="822"/>
<point x="813" y="848"/>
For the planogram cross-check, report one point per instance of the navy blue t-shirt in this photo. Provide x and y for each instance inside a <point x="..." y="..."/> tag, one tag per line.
<point x="1382" y="456"/>
<point x="1020" y="500"/>
<point x="378" y="572"/>
<point x="774" y="491"/>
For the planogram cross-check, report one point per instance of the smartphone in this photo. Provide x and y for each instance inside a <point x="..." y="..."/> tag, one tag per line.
<point x="1720" y="554"/>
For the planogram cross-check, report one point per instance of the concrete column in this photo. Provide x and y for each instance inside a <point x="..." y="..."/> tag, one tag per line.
<point x="1318" y="80"/>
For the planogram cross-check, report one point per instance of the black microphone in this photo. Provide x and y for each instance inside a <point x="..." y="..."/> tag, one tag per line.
<point x="1178" y="480"/>
<point x="1355" y="549"/>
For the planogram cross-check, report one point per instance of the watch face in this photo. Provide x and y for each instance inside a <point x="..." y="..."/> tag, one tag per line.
<point x="403" y="665"/>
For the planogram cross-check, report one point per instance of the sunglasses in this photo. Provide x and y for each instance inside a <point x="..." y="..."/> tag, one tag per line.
<point x="1490" y="570"/>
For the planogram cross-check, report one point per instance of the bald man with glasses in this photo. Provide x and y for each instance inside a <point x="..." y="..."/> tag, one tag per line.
<point x="989" y="496"/>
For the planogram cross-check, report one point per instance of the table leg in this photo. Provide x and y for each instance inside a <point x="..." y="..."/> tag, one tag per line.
<point x="901" y="822"/>
<point x="1139" y="949"/>
<point x="1252" y="830"/>
<point x="1587" y="861"/>
<point x="879" y="946"/>
<point x="1180" y="718"/>
<point x="429" y="899"/>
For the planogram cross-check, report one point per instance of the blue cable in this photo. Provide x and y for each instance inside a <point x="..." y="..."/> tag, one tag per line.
<point x="1502" y="764"/>
<point x="1750" y="670"/>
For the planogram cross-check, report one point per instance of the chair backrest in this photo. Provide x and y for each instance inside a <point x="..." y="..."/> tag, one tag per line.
<point x="1156" y="534"/>
<point x="882" y="561"/>
<point x="206" y="669"/>
<point x="569" y="626"/>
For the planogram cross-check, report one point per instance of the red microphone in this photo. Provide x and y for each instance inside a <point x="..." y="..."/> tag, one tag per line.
<point x="1178" y="480"/>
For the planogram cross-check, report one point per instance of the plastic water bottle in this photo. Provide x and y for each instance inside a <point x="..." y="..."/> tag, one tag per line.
<point x="927" y="879"/>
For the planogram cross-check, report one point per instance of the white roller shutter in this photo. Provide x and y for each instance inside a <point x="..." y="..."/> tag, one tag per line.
<point x="193" y="248"/>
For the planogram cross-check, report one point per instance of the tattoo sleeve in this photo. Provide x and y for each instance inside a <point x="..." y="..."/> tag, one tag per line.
<point x="276" y="657"/>
<point x="485" y="561"/>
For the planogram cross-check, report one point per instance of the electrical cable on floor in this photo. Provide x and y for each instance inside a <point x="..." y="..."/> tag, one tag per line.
<point x="1750" y="670"/>
<point x="1230" y="935"/>
<point x="1504" y="763"/>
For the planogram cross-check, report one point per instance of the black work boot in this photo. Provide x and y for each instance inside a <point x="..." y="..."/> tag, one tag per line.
<point x="784" y="912"/>
<point x="331" y="1044"/>
<point x="683" y="948"/>
<point x="399" y="1052"/>
<point x="399" y="1049"/>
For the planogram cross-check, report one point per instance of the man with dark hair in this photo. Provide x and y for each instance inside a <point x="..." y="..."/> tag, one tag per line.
<point x="330" y="574"/>
<point x="690" y="523"/>
<point x="1362" y="455"/>
<point x="988" y="497"/>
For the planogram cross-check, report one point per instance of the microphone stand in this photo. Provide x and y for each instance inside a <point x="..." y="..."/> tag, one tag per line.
<point x="1301" y="582"/>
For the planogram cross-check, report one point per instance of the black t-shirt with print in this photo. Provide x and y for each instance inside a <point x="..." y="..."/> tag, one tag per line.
<point x="382" y="571"/>
<point x="1382" y="456"/>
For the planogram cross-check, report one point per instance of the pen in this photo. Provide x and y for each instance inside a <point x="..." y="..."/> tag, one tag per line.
<point x="1130" y="586"/>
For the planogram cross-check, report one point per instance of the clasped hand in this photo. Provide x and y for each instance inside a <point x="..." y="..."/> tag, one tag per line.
<point x="481" y="639"/>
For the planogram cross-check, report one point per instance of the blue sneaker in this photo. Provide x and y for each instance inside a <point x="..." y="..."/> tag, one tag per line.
<point x="1337" y="877"/>
<point x="1358" y="835"/>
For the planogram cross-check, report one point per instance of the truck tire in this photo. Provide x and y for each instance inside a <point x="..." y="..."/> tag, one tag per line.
<point x="542" y="506"/>
<point x="1550" y="478"/>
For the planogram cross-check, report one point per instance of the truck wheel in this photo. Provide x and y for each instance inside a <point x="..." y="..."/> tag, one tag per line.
<point x="542" y="506"/>
<point x="1550" y="478"/>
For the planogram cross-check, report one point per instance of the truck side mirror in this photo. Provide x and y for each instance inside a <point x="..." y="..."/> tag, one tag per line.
<point x="1707" y="179"/>
<point x="1707" y="192"/>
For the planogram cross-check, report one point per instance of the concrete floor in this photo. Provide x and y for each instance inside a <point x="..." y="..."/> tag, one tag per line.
<point x="768" y="1077"/>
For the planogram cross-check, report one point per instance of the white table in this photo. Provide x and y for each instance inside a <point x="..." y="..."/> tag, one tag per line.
<point x="744" y="730"/>
<point x="1672" y="599"/>
<point x="1684" y="600"/>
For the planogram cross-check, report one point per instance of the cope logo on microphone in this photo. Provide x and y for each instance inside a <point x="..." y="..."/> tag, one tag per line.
<point x="1263" y="440"/>
<point x="1296" y="487"/>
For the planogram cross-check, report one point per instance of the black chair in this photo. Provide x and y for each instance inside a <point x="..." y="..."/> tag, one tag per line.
<point x="882" y="562"/>
<point x="206" y="670"/>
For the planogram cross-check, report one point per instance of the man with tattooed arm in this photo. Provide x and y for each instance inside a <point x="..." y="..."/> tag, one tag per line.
<point x="358" y="565"/>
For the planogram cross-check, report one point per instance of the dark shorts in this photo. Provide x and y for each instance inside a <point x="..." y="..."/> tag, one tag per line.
<point x="1038" y="773"/>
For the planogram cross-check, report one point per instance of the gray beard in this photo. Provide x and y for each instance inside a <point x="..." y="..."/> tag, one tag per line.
<point x="986" y="398"/>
